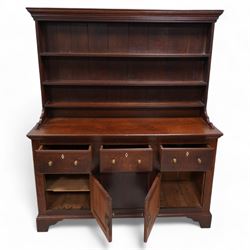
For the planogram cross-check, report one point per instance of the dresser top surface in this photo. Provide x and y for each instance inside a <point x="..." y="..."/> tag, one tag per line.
<point x="195" y="126"/>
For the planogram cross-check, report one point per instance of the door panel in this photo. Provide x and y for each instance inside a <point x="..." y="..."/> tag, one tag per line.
<point x="101" y="206"/>
<point x="152" y="206"/>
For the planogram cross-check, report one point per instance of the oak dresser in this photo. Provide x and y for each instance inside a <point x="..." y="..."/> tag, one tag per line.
<point x="124" y="130"/>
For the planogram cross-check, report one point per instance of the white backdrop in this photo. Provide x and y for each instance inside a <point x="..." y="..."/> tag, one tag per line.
<point x="228" y="107"/>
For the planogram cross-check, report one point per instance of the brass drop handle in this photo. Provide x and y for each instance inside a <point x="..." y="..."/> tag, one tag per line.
<point x="50" y="163"/>
<point x="139" y="161"/>
<point x="75" y="163"/>
<point x="199" y="160"/>
<point x="174" y="160"/>
<point x="113" y="161"/>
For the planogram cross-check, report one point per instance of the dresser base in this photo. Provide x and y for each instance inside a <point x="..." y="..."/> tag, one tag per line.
<point x="203" y="219"/>
<point x="43" y="222"/>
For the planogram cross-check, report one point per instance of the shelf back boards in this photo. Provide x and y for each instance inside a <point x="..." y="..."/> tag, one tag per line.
<point x="124" y="63"/>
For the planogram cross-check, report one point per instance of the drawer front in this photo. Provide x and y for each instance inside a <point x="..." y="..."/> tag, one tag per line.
<point x="126" y="160"/>
<point x="63" y="161"/>
<point x="186" y="159"/>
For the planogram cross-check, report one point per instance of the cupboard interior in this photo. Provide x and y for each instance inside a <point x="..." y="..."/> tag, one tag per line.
<point x="181" y="189"/>
<point x="67" y="192"/>
<point x="178" y="189"/>
<point x="133" y="188"/>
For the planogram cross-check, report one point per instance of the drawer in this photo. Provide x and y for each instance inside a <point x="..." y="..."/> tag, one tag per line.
<point x="135" y="158"/>
<point x="185" y="157"/>
<point x="63" y="158"/>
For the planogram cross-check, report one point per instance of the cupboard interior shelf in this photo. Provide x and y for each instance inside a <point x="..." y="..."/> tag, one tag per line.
<point x="122" y="83"/>
<point x="181" y="189"/>
<point x="179" y="194"/>
<point x="125" y="54"/>
<point x="171" y="104"/>
<point x="67" y="201"/>
<point x="67" y="183"/>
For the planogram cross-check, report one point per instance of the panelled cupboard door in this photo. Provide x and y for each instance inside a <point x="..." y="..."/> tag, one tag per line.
<point x="151" y="206"/>
<point x="101" y="206"/>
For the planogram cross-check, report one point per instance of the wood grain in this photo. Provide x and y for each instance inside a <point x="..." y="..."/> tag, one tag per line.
<point x="186" y="158"/>
<point x="125" y="126"/>
<point x="179" y="194"/>
<point x="67" y="201"/>
<point x="127" y="159"/>
<point x="67" y="183"/>
<point x="116" y="15"/>
<point x="101" y="206"/>
<point x="123" y="77"/>
<point x="63" y="160"/>
<point x="152" y="206"/>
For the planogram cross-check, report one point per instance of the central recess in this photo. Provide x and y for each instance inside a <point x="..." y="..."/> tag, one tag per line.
<point x="128" y="190"/>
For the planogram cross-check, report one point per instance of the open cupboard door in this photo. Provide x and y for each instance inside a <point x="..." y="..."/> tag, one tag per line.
<point x="151" y="206"/>
<point x="101" y="206"/>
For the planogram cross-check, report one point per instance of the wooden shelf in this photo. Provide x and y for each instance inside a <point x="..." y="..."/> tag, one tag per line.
<point x="68" y="201"/>
<point x="179" y="194"/>
<point x="122" y="83"/>
<point x="125" y="54"/>
<point x="180" y="104"/>
<point x="68" y="184"/>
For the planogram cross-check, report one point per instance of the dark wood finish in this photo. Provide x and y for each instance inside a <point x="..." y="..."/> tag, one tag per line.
<point x="113" y="81"/>
<point x="203" y="219"/>
<point x="131" y="186"/>
<point x="67" y="183"/>
<point x="63" y="160"/>
<point x="44" y="223"/>
<point x="185" y="157"/>
<point x="108" y="15"/>
<point x="122" y="83"/>
<point x="179" y="194"/>
<point x="101" y="207"/>
<point x="169" y="127"/>
<point x="152" y="206"/>
<point x="117" y="105"/>
<point x="81" y="68"/>
<point x="126" y="159"/>
<point x="67" y="200"/>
